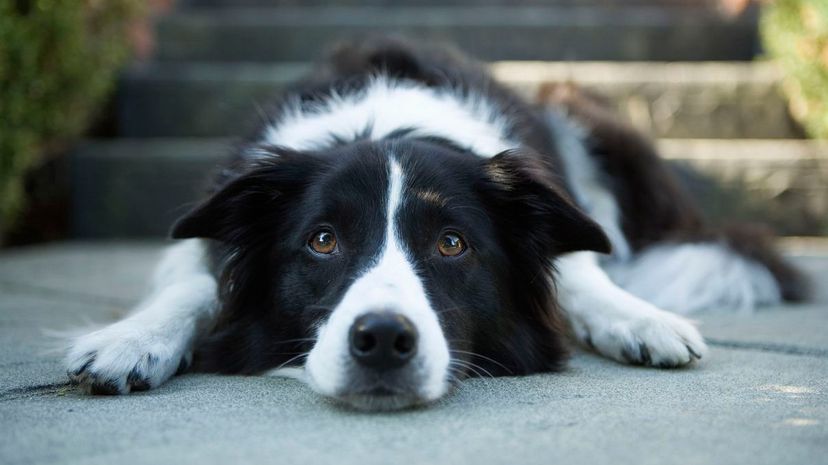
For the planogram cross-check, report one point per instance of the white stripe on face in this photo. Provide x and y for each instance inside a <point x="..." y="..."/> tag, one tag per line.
<point x="391" y="284"/>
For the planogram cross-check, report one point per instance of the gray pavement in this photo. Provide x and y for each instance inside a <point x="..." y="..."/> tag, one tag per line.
<point x="761" y="397"/>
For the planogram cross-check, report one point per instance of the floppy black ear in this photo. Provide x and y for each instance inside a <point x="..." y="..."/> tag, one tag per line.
<point x="538" y="212"/>
<point x="251" y="203"/>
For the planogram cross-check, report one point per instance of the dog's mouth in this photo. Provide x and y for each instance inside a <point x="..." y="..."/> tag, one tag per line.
<point x="381" y="393"/>
<point x="381" y="398"/>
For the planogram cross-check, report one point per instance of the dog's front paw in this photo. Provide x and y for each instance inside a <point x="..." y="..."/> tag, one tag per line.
<point x="122" y="358"/>
<point x="657" y="339"/>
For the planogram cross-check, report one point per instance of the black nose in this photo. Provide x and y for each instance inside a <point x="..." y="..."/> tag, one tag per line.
<point x="383" y="340"/>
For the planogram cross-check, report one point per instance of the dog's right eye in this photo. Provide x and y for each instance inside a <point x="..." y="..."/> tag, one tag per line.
<point x="451" y="245"/>
<point x="323" y="242"/>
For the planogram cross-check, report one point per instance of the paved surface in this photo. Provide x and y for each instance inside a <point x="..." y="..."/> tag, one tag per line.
<point x="761" y="397"/>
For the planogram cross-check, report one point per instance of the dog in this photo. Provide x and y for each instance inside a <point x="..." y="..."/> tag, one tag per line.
<point x="403" y="222"/>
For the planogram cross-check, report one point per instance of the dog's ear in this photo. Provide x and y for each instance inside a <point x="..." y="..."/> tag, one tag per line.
<point x="254" y="202"/>
<point x="537" y="211"/>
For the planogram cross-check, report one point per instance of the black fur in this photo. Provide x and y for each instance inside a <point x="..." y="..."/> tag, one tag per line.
<point x="497" y="302"/>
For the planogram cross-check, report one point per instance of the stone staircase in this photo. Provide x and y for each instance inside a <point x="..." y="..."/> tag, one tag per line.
<point x="675" y="68"/>
<point x="585" y="32"/>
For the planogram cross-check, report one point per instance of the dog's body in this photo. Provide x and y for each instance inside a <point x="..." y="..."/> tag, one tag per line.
<point x="403" y="222"/>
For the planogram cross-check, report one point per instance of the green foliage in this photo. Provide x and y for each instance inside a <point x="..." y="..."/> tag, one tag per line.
<point x="795" y="33"/>
<point x="58" y="60"/>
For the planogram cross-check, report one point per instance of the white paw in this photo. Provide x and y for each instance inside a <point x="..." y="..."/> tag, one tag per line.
<point x="656" y="338"/>
<point x="126" y="356"/>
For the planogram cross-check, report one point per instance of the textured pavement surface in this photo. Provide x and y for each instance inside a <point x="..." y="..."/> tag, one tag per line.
<point x="761" y="397"/>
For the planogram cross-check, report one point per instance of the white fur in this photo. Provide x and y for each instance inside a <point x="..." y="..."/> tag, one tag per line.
<point x="584" y="180"/>
<point x="386" y="105"/>
<point x="614" y="322"/>
<point x="159" y="334"/>
<point x="691" y="278"/>
<point x="390" y="284"/>
<point x="618" y="324"/>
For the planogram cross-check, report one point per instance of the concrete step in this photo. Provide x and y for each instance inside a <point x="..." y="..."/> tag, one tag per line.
<point x="783" y="183"/>
<point x="706" y="4"/>
<point x="137" y="187"/>
<point x="675" y="100"/>
<point x="488" y="32"/>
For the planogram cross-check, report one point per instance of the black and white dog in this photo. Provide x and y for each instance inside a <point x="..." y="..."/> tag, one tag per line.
<point x="403" y="222"/>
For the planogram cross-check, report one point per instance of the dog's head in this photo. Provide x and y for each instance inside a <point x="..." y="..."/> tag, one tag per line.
<point x="391" y="269"/>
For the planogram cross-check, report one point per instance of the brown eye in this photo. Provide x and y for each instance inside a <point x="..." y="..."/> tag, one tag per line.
<point x="323" y="242"/>
<point x="451" y="245"/>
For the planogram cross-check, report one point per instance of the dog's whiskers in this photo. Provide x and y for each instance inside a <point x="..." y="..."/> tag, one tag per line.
<point x="489" y="359"/>
<point x="448" y="310"/>
<point x="301" y="339"/>
<point x="476" y="369"/>
<point x="292" y="359"/>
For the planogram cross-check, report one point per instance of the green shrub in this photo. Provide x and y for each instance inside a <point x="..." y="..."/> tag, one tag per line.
<point x="58" y="60"/>
<point x="795" y="33"/>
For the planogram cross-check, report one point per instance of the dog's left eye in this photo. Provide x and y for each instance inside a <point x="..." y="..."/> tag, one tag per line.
<point x="323" y="241"/>
<point x="451" y="245"/>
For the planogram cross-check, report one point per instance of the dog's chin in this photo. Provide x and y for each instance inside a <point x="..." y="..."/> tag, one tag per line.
<point x="381" y="399"/>
<point x="370" y="391"/>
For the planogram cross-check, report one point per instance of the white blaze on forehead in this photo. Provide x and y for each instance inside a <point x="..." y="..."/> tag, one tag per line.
<point x="395" y="188"/>
<point x="390" y="284"/>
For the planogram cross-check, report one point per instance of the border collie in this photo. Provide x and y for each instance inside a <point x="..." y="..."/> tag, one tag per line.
<point x="403" y="222"/>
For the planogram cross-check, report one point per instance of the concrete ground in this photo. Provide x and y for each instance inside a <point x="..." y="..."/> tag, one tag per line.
<point x="761" y="397"/>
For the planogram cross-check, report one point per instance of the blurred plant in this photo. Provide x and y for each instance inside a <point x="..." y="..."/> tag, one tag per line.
<point x="795" y="33"/>
<point x="58" y="60"/>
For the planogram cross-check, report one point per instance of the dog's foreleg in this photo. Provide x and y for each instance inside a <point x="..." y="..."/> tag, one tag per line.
<point x="619" y="325"/>
<point x="147" y="347"/>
